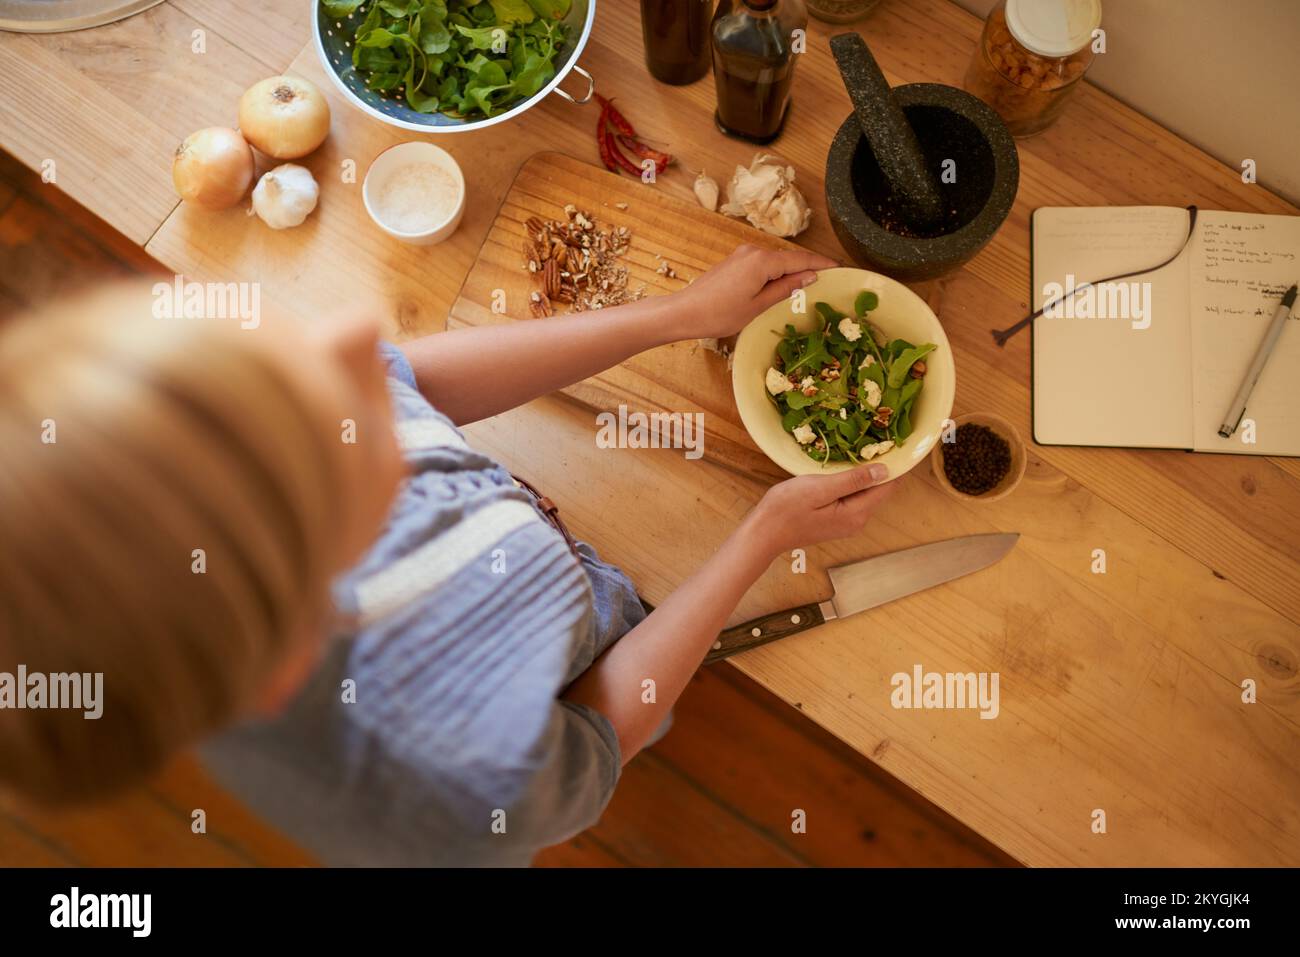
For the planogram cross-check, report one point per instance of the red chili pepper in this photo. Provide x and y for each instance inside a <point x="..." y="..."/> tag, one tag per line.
<point x="661" y="159"/>
<point x="618" y="119"/>
<point x="606" y="156"/>
<point x="611" y="147"/>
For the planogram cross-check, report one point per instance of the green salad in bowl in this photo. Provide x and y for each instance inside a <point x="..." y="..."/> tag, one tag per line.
<point x="853" y="368"/>
<point x="845" y="390"/>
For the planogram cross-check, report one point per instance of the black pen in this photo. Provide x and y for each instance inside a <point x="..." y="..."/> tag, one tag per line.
<point x="1238" y="407"/>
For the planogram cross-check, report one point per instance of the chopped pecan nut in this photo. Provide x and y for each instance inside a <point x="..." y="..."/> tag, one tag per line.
<point x="574" y="260"/>
<point x="881" y="419"/>
<point x="539" y="305"/>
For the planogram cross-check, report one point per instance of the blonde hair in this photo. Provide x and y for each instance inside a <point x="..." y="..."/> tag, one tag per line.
<point x="127" y="444"/>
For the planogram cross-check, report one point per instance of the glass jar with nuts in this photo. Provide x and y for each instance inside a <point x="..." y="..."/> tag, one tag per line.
<point x="1031" y="57"/>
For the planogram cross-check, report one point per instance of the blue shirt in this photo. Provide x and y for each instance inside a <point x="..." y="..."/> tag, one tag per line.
<point x="453" y="747"/>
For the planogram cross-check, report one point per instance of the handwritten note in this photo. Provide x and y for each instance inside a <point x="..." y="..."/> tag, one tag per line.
<point x="1241" y="264"/>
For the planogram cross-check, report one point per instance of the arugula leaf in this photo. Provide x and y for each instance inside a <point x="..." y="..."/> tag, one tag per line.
<point x="896" y="348"/>
<point x="384" y="81"/>
<point x="483" y="38"/>
<point x="379" y="37"/>
<point x="903" y="427"/>
<point x="829" y="315"/>
<point x="513" y="11"/>
<point x="551" y="9"/>
<point x="481" y="13"/>
<point x="816" y="352"/>
<point x="434" y="35"/>
<point x="341" y="9"/>
<point x="909" y="391"/>
<point x="903" y="363"/>
<point x="420" y="101"/>
<point x="865" y="302"/>
<point x="535" y="74"/>
<point x="375" y="60"/>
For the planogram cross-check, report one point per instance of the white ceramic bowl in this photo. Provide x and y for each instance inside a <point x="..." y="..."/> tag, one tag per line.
<point x="901" y="314"/>
<point x="404" y="154"/>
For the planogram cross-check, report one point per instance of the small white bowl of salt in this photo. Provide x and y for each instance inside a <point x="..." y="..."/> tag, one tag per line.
<point x="415" y="192"/>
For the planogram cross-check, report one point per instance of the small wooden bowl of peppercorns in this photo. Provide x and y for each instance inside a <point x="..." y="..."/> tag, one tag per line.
<point x="982" y="458"/>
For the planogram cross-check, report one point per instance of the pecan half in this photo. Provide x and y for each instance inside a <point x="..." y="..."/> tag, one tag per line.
<point x="551" y="278"/>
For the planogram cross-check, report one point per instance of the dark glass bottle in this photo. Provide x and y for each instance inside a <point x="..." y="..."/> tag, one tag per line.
<point x="676" y="36"/>
<point x="753" y="64"/>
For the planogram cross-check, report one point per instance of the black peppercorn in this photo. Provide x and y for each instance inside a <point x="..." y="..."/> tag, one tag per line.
<point x="977" y="460"/>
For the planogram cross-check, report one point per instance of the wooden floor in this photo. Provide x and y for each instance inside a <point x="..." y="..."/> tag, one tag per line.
<point x="719" y="790"/>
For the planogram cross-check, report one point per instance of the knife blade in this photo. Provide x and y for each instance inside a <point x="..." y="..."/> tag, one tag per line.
<point x="868" y="584"/>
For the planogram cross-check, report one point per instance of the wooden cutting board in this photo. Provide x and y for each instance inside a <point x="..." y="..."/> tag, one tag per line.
<point x="683" y="377"/>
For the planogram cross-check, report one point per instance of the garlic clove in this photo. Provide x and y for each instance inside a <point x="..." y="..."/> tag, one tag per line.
<point x="706" y="191"/>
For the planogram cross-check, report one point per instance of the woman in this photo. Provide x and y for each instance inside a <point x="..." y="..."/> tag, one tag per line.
<point x="405" y="659"/>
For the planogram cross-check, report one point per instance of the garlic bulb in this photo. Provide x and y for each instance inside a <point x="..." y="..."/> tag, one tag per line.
<point x="285" y="196"/>
<point x="706" y="191"/>
<point x="765" y="195"/>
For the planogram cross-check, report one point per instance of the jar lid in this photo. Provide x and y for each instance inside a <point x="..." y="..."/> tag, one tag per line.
<point x="1053" y="28"/>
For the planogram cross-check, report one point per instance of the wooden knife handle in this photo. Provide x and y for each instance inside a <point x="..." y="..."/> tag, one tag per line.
<point x="760" y="631"/>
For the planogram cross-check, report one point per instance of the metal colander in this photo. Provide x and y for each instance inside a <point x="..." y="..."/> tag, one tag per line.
<point x="334" y="44"/>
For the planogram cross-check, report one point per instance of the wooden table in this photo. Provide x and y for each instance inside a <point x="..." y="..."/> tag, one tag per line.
<point x="1119" y="691"/>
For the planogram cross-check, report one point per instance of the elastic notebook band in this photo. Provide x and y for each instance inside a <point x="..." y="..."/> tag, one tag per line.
<point x="1000" y="336"/>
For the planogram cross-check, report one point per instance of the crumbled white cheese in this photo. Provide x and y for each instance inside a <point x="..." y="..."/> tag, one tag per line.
<point x="870" y="393"/>
<point x="844" y="413"/>
<point x="803" y="434"/>
<point x="878" y="448"/>
<point x="776" y="382"/>
<point x="850" y="330"/>
<point x="870" y="360"/>
<point x="808" y="383"/>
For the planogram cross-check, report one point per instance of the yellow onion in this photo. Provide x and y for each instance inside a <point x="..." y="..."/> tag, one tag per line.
<point x="213" y="168"/>
<point x="284" y="116"/>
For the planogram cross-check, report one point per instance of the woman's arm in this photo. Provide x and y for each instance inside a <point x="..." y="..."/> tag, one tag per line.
<point x="670" y="644"/>
<point x="470" y="374"/>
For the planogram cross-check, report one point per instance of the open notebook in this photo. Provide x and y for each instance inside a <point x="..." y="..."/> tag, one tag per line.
<point x="1160" y="370"/>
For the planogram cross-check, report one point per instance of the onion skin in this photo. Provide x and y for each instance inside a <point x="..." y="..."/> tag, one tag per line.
<point x="213" y="168"/>
<point x="285" y="117"/>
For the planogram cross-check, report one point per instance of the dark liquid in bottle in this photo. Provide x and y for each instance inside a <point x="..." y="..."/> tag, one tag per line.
<point x="676" y="36"/>
<point x="754" y="69"/>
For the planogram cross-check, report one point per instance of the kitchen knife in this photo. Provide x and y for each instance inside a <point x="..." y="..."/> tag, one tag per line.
<point x="868" y="583"/>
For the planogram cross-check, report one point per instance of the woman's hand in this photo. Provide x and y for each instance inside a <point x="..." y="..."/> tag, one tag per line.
<point x="670" y="643"/>
<point x="723" y="300"/>
<point x="812" y="509"/>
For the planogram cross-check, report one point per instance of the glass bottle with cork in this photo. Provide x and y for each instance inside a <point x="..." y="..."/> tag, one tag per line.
<point x="676" y="34"/>
<point x="753" y="65"/>
<point x="1031" y="57"/>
